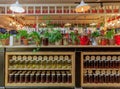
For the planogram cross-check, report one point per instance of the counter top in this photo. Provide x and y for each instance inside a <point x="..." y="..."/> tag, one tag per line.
<point x="63" y="46"/>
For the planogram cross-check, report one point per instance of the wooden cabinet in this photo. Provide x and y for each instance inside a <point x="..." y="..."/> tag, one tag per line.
<point x="100" y="69"/>
<point x="40" y="69"/>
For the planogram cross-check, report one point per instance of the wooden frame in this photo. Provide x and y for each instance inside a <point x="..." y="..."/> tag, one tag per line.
<point x="97" y="84"/>
<point x="72" y="54"/>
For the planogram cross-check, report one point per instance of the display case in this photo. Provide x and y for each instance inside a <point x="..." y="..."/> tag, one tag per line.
<point x="100" y="69"/>
<point x="40" y="69"/>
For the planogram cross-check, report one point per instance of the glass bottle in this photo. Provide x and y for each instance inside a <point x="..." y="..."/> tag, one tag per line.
<point x="66" y="59"/>
<point x="103" y="61"/>
<point x="43" y="76"/>
<point x="98" y="61"/>
<point x="96" y="76"/>
<point x="29" y="62"/>
<point x="90" y="76"/>
<point x="114" y="59"/>
<point x="101" y="77"/>
<point x="53" y="77"/>
<point x="69" y="77"/>
<point x="54" y="62"/>
<point x="26" y="63"/>
<point x="17" y="77"/>
<point x="107" y="76"/>
<point x="92" y="61"/>
<point x="12" y="77"/>
<point x="119" y="61"/>
<point x="49" y="62"/>
<point x="48" y="77"/>
<point x="111" y="77"/>
<point x="27" y="76"/>
<point x="19" y="58"/>
<point x="22" y="77"/>
<point x="40" y="58"/>
<point x="59" y="77"/>
<point x="34" y="61"/>
<point x="32" y="77"/>
<point x="118" y="74"/>
<point x="87" y="62"/>
<point x="108" y="61"/>
<point x="38" y="77"/>
<point x="44" y="61"/>
<point x="85" y="73"/>
<point x="64" y="77"/>
<point x="11" y="63"/>
<point x="24" y="58"/>
<point x="15" y="63"/>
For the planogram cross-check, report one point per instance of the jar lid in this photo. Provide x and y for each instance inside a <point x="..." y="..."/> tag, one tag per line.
<point x="40" y="57"/>
<point x="14" y="57"/>
<point x="108" y="57"/>
<point x="103" y="57"/>
<point x="98" y="57"/>
<point x="87" y="57"/>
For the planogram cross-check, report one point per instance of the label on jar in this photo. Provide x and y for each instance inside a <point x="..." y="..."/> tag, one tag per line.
<point x="56" y="57"/>
<point x="114" y="57"/>
<point x="87" y="57"/>
<point x="40" y="57"/>
<point x="29" y="57"/>
<point x="19" y="57"/>
<point x="108" y="57"/>
<point x="103" y="57"/>
<point x="24" y="57"/>
<point x="34" y="57"/>
<point x="50" y="57"/>
<point x="66" y="57"/>
<point x="97" y="57"/>
<point x="14" y="57"/>
<point x="45" y="57"/>
<point x="61" y="57"/>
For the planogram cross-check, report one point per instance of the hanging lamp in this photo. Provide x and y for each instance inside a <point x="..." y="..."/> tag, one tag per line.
<point x="17" y="7"/>
<point x="82" y="7"/>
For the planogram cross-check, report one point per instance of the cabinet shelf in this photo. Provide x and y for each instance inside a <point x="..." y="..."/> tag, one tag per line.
<point x="85" y="80"/>
<point x="101" y="69"/>
<point x="101" y="85"/>
<point x="61" y="73"/>
<point x="35" y="69"/>
<point x="40" y="84"/>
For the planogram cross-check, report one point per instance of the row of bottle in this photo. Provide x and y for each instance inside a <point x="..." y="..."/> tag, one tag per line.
<point x="101" y="61"/>
<point x="40" y="77"/>
<point x="40" y="62"/>
<point x="101" y="76"/>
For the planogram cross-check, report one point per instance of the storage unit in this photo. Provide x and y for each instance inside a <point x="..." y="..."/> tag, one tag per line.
<point x="40" y="69"/>
<point x="100" y="69"/>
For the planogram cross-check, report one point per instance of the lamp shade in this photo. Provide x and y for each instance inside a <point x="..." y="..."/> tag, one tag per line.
<point x="82" y="7"/>
<point x="16" y="7"/>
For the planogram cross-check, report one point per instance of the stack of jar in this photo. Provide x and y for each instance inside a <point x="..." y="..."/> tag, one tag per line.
<point x="40" y="77"/>
<point x="44" y="61"/>
<point x="103" y="61"/>
<point x="101" y="76"/>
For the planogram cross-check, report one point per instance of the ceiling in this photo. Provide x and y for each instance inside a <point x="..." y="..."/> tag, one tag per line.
<point x="59" y="19"/>
<point x="54" y="1"/>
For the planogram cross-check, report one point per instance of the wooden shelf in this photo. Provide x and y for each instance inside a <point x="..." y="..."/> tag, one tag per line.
<point x="40" y="84"/>
<point x="64" y="46"/>
<point x="101" y="85"/>
<point x="35" y="69"/>
<point x="101" y="69"/>
<point x="97" y="84"/>
<point x="8" y="69"/>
